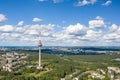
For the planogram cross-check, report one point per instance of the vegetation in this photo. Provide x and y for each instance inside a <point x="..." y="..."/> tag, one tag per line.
<point x="58" y="66"/>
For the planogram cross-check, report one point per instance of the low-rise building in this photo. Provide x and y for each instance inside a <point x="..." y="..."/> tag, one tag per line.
<point x="97" y="75"/>
<point x="13" y="61"/>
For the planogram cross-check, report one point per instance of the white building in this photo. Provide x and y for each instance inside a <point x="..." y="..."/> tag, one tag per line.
<point x="97" y="75"/>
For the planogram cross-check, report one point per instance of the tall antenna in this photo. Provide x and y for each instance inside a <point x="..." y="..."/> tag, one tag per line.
<point x="40" y="46"/>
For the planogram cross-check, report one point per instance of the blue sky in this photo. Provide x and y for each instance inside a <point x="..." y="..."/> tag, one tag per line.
<point x="61" y="22"/>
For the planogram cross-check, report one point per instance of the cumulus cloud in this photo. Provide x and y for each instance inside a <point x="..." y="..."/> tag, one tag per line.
<point x="93" y="1"/>
<point x="6" y="28"/>
<point x="73" y="34"/>
<point x="15" y="35"/>
<point x="78" y="34"/>
<point x="20" y="23"/>
<point x="99" y="18"/>
<point x="97" y="23"/>
<point x="113" y="35"/>
<point x="31" y="32"/>
<point x="113" y="28"/>
<point x="77" y="30"/>
<point x="5" y="34"/>
<point x="107" y="3"/>
<point x="34" y="30"/>
<point x="69" y="33"/>
<point x="26" y="33"/>
<point x="85" y="2"/>
<point x="36" y="20"/>
<point x="93" y="34"/>
<point x="2" y="18"/>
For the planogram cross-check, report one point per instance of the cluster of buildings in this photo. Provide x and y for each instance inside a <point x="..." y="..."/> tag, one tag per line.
<point x="74" y="74"/>
<point x="12" y="61"/>
<point x="96" y="75"/>
<point x="114" y="73"/>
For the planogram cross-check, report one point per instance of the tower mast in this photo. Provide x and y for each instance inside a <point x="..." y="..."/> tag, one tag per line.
<point x="39" y="46"/>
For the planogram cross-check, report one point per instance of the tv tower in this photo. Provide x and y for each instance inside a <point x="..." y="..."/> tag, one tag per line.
<point x="40" y="46"/>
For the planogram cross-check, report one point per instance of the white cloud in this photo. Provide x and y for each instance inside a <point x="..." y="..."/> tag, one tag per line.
<point x="72" y="33"/>
<point x="98" y="23"/>
<point x="111" y="36"/>
<point x="76" y="30"/>
<point x="118" y="30"/>
<point x="79" y="3"/>
<point x="31" y="32"/>
<point x="113" y="28"/>
<point x="93" y="34"/>
<point x="19" y="29"/>
<point x="85" y="2"/>
<point x="77" y="34"/>
<point x="93" y="1"/>
<point x="107" y="3"/>
<point x="20" y="23"/>
<point x="114" y="35"/>
<point x="5" y="34"/>
<point x="54" y="1"/>
<point x="15" y="35"/>
<point x="57" y="1"/>
<point x="69" y="33"/>
<point x="99" y="18"/>
<point x="42" y="0"/>
<point x="2" y="18"/>
<point x="27" y="34"/>
<point x="6" y="28"/>
<point x="36" y="20"/>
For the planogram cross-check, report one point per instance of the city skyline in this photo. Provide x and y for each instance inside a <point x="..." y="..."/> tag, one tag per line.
<point x="61" y="22"/>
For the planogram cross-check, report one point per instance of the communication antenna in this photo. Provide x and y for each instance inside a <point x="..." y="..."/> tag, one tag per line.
<point x="39" y="46"/>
